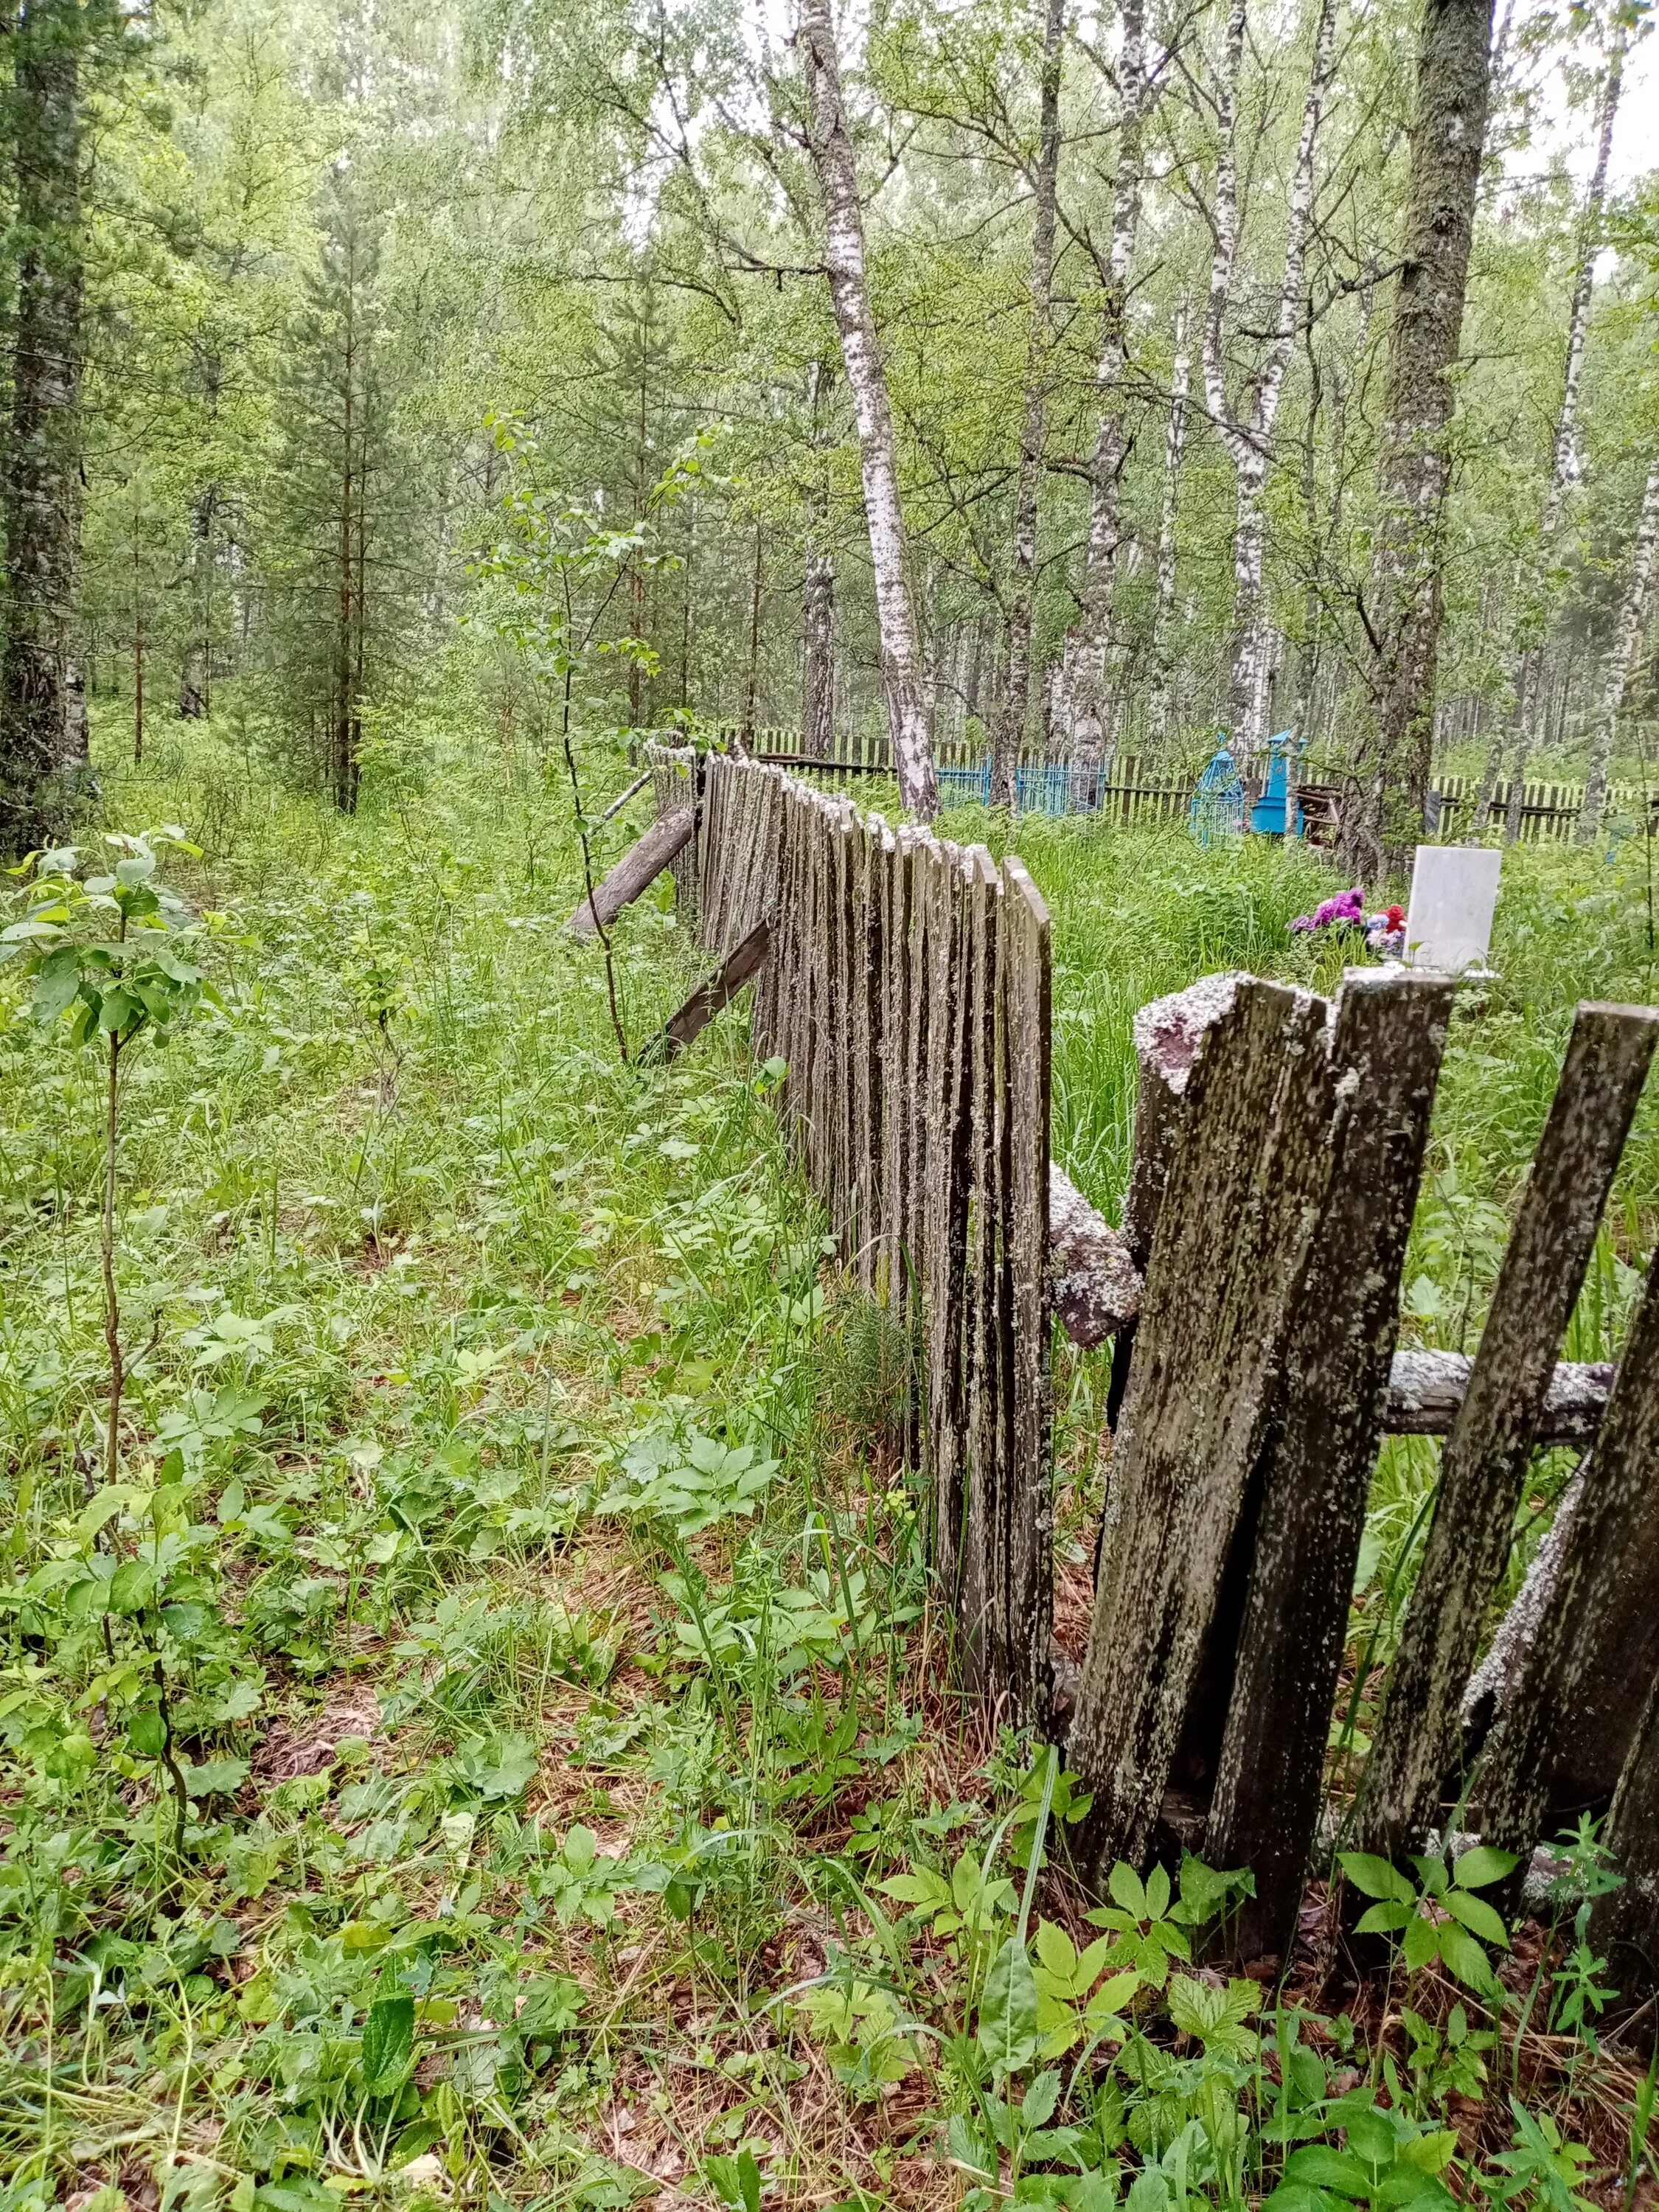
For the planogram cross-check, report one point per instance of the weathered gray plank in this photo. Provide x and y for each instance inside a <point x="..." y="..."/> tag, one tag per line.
<point x="1419" y="1736"/>
<point x="709" y="998"/>
<point x="1566" y="1730"/>
<point x="1311" y="1489"/>
<point x="1096" y="1286"/>
<point x="1169" y="1036"/>
<point x="1624" y="1927"/>
<point x="990" y="1379"/>
<point x="1215" y="1318"/>
<point x="1427" y="1388"/>
<point x="1029" y="1493"/>
<point x="639" y="866"/>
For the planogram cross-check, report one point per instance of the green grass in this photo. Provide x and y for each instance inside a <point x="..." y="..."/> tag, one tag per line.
<point x="581" y="1808"/>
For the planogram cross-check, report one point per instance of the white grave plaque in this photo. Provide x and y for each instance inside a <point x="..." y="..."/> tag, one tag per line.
<point x="1454" y="890"/>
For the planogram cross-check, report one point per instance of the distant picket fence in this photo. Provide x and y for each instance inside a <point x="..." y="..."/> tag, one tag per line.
<point x="1138" y="789"/>
<point x="1279" y="1147"/>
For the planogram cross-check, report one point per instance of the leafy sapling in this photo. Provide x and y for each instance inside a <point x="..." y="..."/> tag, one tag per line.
<point x="115" y="955"/>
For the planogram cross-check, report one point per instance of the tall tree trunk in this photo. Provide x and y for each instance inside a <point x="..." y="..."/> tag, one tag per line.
<point x="1247" y="432"/>
<point x="843" y="224"/>
<point x="1011" y="723"/>
<point x="1567" y="464"/>
<point x="1092" y="694"/>
<point x="42" y="712"/>
<point x="1387" y="814"/>
<point x="1621" y="669"/>
<point x="818" y="662"/>
<point x="819" y="595"/>
<point x="751" y="686"/>
<point x="1175" y="447"/>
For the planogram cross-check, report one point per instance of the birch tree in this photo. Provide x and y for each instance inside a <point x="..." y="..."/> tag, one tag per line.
<point x="1621" y="669"/>
<point x="1175" y="447"/>
<point x="1566" y="460"/>
<point x="1248" y="425"/>
<point x="1010" y="722"/>
<point x="1091" y="696"/>
<point x="830" y="145"/>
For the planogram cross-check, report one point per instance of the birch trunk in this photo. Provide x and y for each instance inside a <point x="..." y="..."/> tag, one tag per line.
<point x="831" y="147"/>
<point x="818" y="663"/>
<point x="1566" y="463"/>
<point x="42" y="720"/>
<point x="1626" y="656"/>
<point x="1091" y="700"/>
<point x="1175" y="446"/>
<point x="1247" y="432"/>
<point x="818" y="601"/>
<point x="1010" y="722"/>
<point x="1448" y="137"/>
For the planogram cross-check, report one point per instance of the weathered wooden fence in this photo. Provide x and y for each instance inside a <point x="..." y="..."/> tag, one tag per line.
<point x="907" y="987"/>
<point x="1136" y="789"/>
<point x="1254" y="1293"/>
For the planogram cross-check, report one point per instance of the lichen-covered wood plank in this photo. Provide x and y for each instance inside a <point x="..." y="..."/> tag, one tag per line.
<point x="949" y="1173"/>
<point x="1028" y="1478"/>
<point x="1309" y="1490"/>
<point x="1215" y="1320"/>
<point x="674" y="771"/>
<point x="989" y="1378"/>
<point x="1623" y="1925"/>
<point x="1168" y="1035"/>
<point x="1096" y="1286"/>
<point x="1582" y="1685"/>
<point x="978" y="1014"/>
<point x="1427" y="1390"/>
<point x="896" y="1098"/>
<point x="638" y="868"/>
<point x="1415" y="1749"/>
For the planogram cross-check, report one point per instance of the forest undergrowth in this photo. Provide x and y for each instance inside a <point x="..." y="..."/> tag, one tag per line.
<point x="481" y="1734"/>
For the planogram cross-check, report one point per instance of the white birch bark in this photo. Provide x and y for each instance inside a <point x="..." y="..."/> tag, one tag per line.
<point x="1567" y="467"/>
<point x="1626" y="654"/>
<point x="1566" y="461"/>
<point x="1247" y="431"/>
<point x="831" y="147"/>
<point x="1092" y="696"/>
<point x="1175" y="446"/>
<point x="1010" y="722"/>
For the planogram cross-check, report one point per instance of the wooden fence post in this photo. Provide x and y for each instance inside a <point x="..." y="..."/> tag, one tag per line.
<point x="1572" y="1715"/>
<point x="1236" y="1221"/>
<point x="1024" y="1011"/>
<point x="1485" y="1457"/>
<point x="1310" y="1492"/>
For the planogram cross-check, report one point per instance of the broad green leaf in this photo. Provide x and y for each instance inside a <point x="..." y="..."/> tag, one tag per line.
<point x="1464" y="1956"/>
<point x="146" y="1732"/>
<point x="388" y="2044"/>
<point x="1484" y="1864"/>
<point x="1008" y="2009"/>
<point x="1383" y="1919"/>
<point x="1480" y="1919"/>
<point x="1422" y="1941"/>
<point x="1318" y="2167"/>
<point x="1376" y="1877"/>
<point x="1036" y="2107"/>
<point x="131" y="1586"/>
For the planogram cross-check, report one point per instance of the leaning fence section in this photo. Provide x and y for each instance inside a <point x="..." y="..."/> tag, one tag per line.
<point x="905" y="988"/>
<point x="1254" y="1293"/>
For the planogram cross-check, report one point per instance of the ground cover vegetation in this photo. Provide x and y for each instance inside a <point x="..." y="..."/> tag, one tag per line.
<point x="477" y="1726"/>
